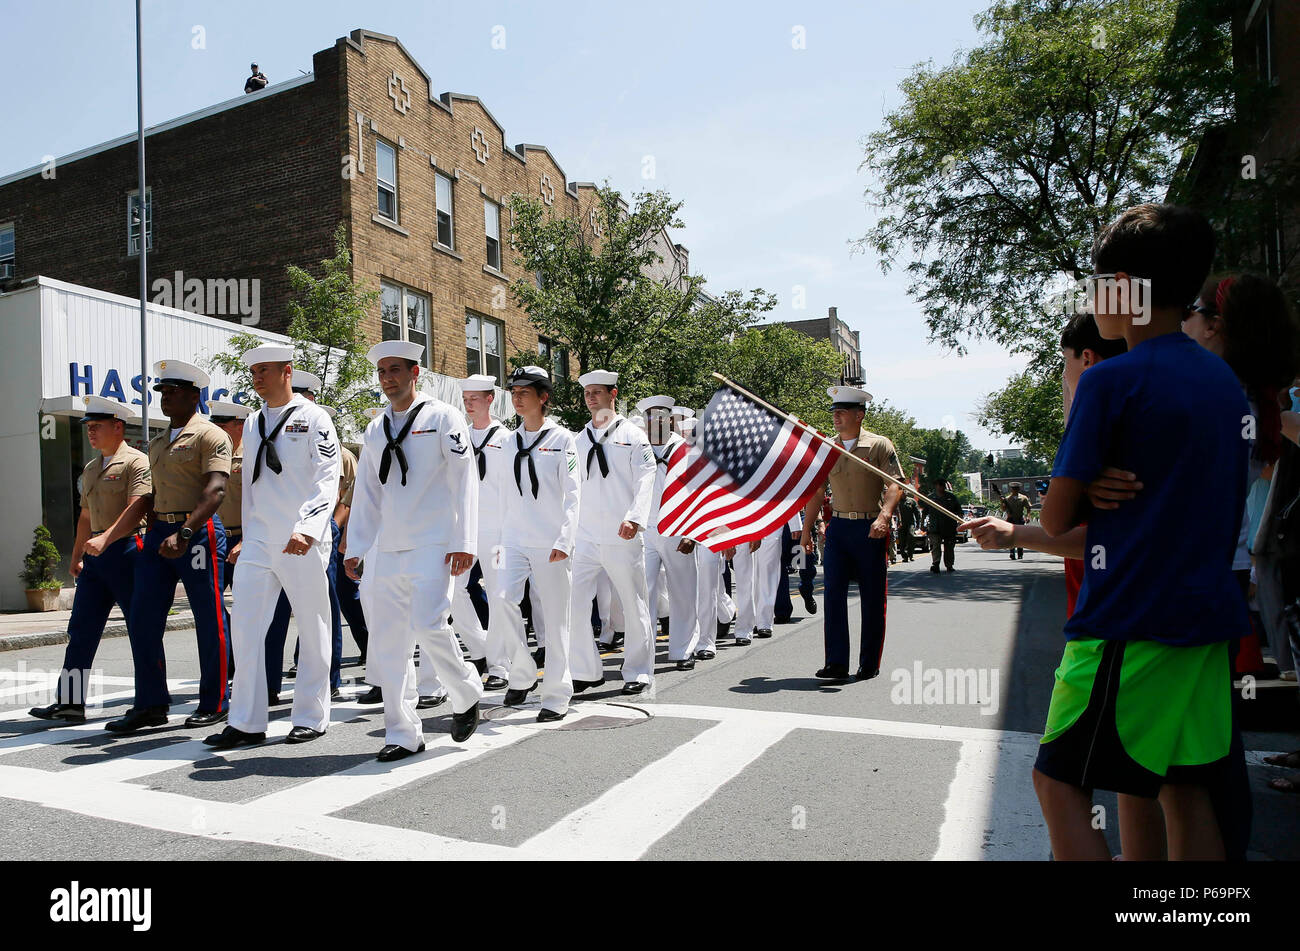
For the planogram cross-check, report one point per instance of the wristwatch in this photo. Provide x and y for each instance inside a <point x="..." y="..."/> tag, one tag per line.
<point x="186" y="533"/>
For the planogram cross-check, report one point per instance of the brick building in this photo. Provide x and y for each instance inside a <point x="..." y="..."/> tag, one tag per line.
<point x="838" y="333"/>
<point x="242" y="189"/>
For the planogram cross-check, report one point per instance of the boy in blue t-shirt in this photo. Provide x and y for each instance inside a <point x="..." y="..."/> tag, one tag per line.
<point x="1142" y="700"/>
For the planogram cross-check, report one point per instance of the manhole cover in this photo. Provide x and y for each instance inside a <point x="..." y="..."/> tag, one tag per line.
<point x="590" y="715"/>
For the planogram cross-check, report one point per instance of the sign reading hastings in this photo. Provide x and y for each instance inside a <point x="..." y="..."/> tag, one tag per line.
<point x="215" y="297"/>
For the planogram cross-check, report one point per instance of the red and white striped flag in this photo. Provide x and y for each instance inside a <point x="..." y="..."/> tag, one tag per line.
<point x="748" y="472"/>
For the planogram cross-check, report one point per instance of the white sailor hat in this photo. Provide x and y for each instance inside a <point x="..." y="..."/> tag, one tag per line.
<point x="848" y="397"/>
<point x="688" y="425"/>
<point x="268" y="353"/>
<point x="303" y="380"/>
<point x="101" y="407"/>
<point x="479" y="382"/>
<point x="402" y="349"/>
<point x="655" y="402"/>
<point x="684" y="411"/>
<point x="179" y="373"/>
<point x="223" y="411"/>
<point x="601" y="377"/>
<point x="637" y="421"/>
<point x="530" y="376"/>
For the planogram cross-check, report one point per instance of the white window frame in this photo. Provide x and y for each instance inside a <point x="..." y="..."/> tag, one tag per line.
<point x="449" y="211"/>
<point x="491" y="206"/>
<point x="402" y="313"/>
<point x="384" y="185"/>
<point x="132" y="241"/>
<point x="482" y="347"/>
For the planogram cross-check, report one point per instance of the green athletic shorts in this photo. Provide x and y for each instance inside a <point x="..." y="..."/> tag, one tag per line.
<point x="1129" y="716"/>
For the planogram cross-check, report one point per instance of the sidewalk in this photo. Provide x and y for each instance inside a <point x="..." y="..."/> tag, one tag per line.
<point x="22" y="629"/>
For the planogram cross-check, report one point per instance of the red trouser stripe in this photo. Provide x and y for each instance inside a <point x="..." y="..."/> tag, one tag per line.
<point x="221" y="627"/>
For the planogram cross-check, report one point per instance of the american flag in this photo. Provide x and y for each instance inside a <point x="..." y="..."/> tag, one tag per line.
<point x="748" y="472"/>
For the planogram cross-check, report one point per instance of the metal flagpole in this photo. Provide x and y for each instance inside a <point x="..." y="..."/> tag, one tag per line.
<point x="144" y="223"/>
<point x="840" y="449"/>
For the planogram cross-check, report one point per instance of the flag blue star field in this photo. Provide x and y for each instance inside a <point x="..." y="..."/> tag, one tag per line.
<point x="747" y="473"/>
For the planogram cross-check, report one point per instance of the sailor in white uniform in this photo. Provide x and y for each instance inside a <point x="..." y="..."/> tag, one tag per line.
<point x="416" y="503"/>
<point x="290" y="485"/>
<point x="489" y="439"/>
<point x="676" y="555"/>
<point x="618" y="473"/>
<point x="538" y="533"/>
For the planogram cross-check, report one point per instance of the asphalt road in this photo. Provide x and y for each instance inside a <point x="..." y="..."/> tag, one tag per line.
<point x="747" y="756"/>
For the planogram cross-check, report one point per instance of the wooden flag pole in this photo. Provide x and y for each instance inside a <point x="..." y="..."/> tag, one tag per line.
<point x="838" y="448"/>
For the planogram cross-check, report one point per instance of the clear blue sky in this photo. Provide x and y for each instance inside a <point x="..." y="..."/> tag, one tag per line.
<point x="759" y="139"/>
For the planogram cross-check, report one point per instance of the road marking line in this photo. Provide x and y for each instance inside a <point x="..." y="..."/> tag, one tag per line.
<point x="342" y="790"/>
<point x="625" y="821"/>
<point x="991" y="812"/>
<point x="226" y="822"/>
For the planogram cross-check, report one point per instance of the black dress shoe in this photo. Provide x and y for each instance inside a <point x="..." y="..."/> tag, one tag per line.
<point x="426" y="703"/>
<point x="934" y="569"/>
<point x="864" y="674"/>
<point x="723" y="627"/>
<point x="539" y="657"/>
<point x="580" y="685"/>
<point x="67" y="712"/>
<point x="705" y="655"/>
<point x="688" y="664"/>
<point x="809" y="604"/>
<point x="392" y="752"/>
<point x="495" y="683"/>
<point x="515" y="697"/>
<point x="138" y="718"/>
<point x="634" y="687"/>
<point x="480" y="664"/>
<point x="743" y="642"/>
<point x="272" y="699"/>
<point x="231" y="737"/>
<point x="464" y="724"/>
<point x="336" y="694"/>
<point x="834" y="672"/>
<point x="292" y="672"/>
<point x="783" y="620"/>
<point x="617" y="643"/>
<point x="763" y="632"/>
<point x="548" y="716"/>
<point x="303" y="734"/>
<point x="373" y="695"/>
<point x="195" y="720"/>
<point x="951" y="568"/>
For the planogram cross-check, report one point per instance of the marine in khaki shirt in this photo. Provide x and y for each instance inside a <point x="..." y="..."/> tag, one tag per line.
<point x="862" y="505"/>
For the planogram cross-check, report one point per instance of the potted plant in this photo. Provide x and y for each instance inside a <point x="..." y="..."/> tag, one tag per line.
<point x="38" y="573"/>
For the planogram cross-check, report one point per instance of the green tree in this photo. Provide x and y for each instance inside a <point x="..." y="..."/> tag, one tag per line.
<point x="997" y="171"/>
<point x="1028" y="409"/>
<point x="786" y="368"/>
<point x="601" y="292"/>
<point x="325" y="326"/>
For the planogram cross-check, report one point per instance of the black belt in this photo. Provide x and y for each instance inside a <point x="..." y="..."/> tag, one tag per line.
<point x="136" y="534"/>
<point x="171" y="518"/>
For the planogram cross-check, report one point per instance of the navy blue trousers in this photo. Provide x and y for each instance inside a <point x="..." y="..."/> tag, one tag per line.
<point x="852" y="555"/>
<point x="807" y="574"/>
<point x="105" y="580"/>
<point x="200" y="569"/>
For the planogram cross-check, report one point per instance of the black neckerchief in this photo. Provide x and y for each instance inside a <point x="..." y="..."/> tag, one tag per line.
<point x="267" y="445"/>
<point x="668" y="451"/>
<point x="598" y="448"/>
<point x="478" y="451"/>
<point x="521" y="454"/>
<point x="394" y="446"/>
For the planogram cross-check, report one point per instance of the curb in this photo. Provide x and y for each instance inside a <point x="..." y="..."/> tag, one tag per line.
<point x="17" y="642"/>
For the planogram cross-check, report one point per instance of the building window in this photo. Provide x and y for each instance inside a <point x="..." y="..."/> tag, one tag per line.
<point x="133" y="221"/>
<point x="484" y="345"/>
<point x="7" y="268"/>
<point x="1264" y="46"/>
<point x="386" y="166"/>
<point x="492" y="224"/>
<point x="404" y="315"/>
<point x="554" y="358"/>
<point x="443" y="207"/>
